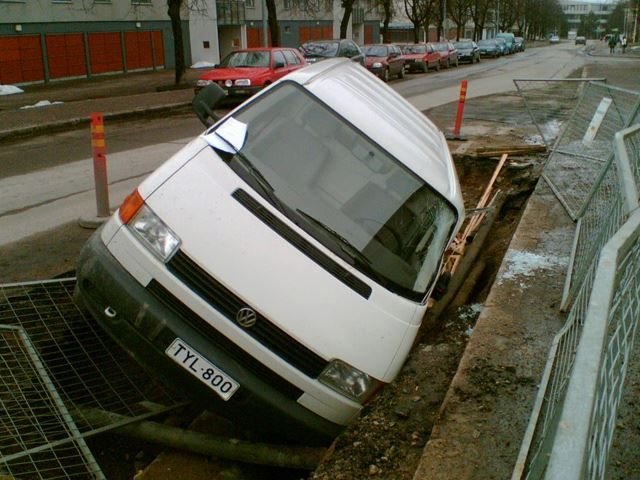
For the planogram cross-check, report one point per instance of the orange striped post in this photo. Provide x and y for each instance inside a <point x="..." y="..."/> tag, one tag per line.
<point x="463" y="96"/>
<point x="98" y="149"/>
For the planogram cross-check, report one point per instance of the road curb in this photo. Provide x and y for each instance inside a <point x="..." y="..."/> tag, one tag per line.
<point x="77" y="122"/>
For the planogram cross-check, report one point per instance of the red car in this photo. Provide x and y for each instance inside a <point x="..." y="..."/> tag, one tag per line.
<point x="384" y="60"/>
<point x="244" y="72"/>
<point x="448" y="54"/>
<point x="421" y="57"/>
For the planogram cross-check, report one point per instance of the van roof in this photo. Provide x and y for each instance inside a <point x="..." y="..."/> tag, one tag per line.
<point x="386" y="117"/>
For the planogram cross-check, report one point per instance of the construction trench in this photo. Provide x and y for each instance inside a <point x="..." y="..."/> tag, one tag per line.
<point x="87" y="410"/>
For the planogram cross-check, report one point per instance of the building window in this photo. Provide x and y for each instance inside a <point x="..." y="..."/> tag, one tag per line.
<point x="250" y="3"/>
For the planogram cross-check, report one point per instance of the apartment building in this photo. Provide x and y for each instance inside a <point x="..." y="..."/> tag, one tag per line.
<point x="577" y="10"/>
<point x="47" y="40"/>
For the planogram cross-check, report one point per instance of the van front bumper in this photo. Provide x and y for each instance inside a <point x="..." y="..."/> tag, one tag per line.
<point x="145" y="324"/>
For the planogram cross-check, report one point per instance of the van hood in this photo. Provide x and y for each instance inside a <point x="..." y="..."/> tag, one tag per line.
<point x="276" y="278"/>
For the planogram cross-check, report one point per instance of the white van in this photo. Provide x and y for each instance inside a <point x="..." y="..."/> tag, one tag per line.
<point x="278" y="267"/>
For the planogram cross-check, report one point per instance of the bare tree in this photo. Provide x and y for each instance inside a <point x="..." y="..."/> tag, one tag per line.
<point x="479" y="13"/>
<point x="414" y="10"/>
<point x="272" y="21"/>
<point x="346" y="17"/>
<point x="388" y="11"/>
<point x="174" y="7"/>
<point x="459" y="11"/>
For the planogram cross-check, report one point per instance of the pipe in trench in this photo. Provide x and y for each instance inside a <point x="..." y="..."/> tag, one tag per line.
<point x="283" y="456"/>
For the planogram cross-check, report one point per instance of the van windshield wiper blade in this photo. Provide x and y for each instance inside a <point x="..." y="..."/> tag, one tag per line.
<point x="345" y="245"/>
<point x="256" y="174"/>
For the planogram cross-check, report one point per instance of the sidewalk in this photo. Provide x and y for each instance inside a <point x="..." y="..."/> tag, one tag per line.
<point x="114" y="96"/>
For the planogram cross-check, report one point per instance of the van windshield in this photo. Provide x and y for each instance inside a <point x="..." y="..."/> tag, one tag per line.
<point x="344" y="190"/>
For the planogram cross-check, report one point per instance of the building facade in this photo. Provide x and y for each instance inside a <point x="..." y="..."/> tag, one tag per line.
<point x="48" y="40"/>
<point x="576" y="11"/>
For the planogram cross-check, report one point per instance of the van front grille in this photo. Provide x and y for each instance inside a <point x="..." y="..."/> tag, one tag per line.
<point x="221" y="343"/>
<point x="228" y="304"/>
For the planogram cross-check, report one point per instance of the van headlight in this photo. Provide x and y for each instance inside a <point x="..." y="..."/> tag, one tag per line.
<point x="377" y="65"/>
<point x="349" y="381"/>
<point x="154" y="234"/>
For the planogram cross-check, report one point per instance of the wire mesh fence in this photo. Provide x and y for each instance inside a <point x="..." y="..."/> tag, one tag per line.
<point x="84" y="367"/>
<point x="38" y="436"/>
<point x="605" y="213"/>
<point x="550" y="102"/>
<point x="589" y="414"/>
<point x="603" y="223"/>
<point x="584" y="147"/>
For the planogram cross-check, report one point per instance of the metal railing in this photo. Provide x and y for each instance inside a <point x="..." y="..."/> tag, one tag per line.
<point x="55" y="365"/>
<point x="551" y="102"/>
<point x="573" y="419"/>
<point x="584" y="148"/>
<point x="603" y="210"/>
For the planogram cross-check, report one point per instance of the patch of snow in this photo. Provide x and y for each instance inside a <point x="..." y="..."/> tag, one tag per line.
<point x="41" y="103"/>
<point x="527" y="264"/>
<point x="203" y="65"/>
<point x="10" y="90"/>
<point x="551" y="129"/>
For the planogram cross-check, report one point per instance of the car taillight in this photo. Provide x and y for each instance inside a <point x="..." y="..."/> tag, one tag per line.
<point x="130" y="206"/>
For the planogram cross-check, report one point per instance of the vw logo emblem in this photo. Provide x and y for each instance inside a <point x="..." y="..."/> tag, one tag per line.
<point x="246" y="317"/>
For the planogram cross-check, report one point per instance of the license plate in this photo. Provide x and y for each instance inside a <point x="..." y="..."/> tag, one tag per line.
<point x="201" y="368"/>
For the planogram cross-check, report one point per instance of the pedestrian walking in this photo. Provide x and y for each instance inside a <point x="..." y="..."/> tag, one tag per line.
<point x="612" y="44"/>
<point x="623" y="43"/>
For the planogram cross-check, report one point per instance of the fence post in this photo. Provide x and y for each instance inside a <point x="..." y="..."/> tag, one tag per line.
<point x="99" y="164"/>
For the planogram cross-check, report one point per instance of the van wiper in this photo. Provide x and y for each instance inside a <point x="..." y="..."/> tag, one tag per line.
<point x="256" y="174"/>
<point x="355" y="255"/>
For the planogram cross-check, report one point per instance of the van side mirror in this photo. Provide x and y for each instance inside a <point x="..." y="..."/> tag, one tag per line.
<point x="206" y="101"/>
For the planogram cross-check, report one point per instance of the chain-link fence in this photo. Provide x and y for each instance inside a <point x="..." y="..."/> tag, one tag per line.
<point x="603" y="208"/>
<point x="584" y="147"/>
<point x="550" y="102"/>
<point x="589" y="413"/>
<point x="57" y="366"/>
<point x="573" y="421"/>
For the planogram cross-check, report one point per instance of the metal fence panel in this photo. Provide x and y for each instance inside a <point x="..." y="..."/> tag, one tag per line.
<point x="87" y="370"/>
<point x="52" y="444"/>
<point x="584" y="147"/>
<point x="550" y="102"/>
<point x="614" y="308"/>
<point x="605" y="213"/>
<point x="588" y="417"/>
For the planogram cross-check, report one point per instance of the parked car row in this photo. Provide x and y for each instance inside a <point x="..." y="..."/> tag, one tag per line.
<point x="502" y="44"/>
<point x="244" y="72"/>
